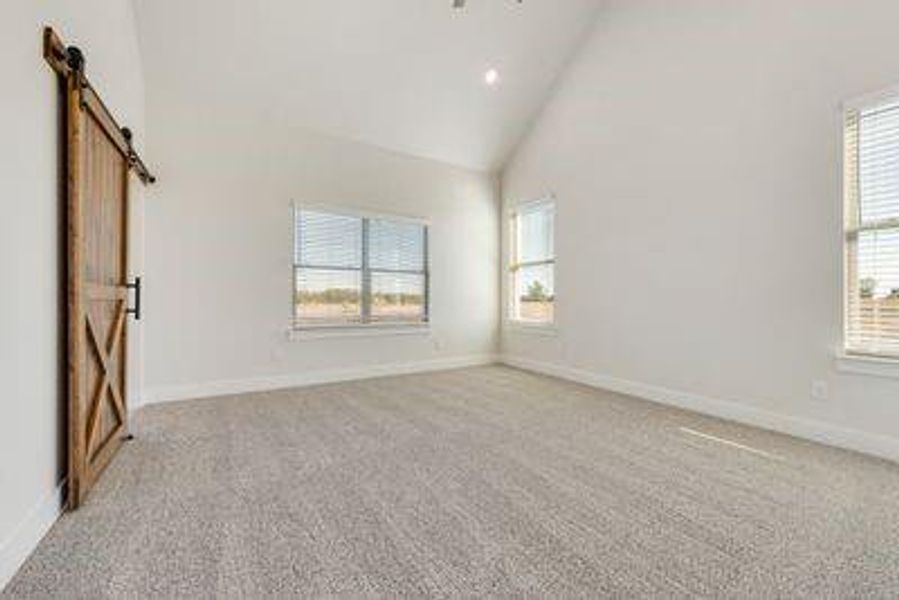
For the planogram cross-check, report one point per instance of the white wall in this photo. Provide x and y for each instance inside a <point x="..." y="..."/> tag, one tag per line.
<point x="31" y="402"/>
<point x="219" y="250"/>
<point x="694" y="149"/>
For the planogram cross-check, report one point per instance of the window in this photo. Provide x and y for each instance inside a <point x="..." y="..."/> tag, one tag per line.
<point x="533" y="263"/>
<point x="352" y="270"/>
<point x="872" y="229"/>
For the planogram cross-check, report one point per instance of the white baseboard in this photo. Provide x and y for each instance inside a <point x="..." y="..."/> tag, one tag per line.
<point x="260" y="384"/>
<point x="22" y="542"/>
<point x="817" y="431"/>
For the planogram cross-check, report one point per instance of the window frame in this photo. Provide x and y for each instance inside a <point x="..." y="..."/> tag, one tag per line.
<point x="513" y="265"/>
<point x="855" y="359"/>
<point x="314" y="331"/>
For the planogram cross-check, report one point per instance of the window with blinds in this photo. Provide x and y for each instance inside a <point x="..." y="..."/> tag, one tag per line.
<point x="354" y="270"/>
<point x="872" y="229"/>
<point x="533" y="263"/>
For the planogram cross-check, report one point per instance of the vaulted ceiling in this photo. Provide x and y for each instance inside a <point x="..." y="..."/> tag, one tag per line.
<point x="407" y="75"/>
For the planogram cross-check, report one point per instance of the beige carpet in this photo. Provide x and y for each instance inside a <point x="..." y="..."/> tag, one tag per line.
<point x="486" y="482"/>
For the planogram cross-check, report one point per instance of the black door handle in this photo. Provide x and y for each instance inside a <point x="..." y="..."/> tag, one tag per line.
<point x="135" y="285"/>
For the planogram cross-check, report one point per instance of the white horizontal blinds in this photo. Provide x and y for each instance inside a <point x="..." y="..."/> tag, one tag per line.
<point x="533" y="263"/>
<point x="872" y="230"/>
<point x="328" y="268"/>
<point x="535" y="234"/>
<point x="397" y="263"/>
<point x="357" y="270"/>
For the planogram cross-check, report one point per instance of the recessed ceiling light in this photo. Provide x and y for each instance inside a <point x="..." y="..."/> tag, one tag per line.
<point x="491" y="77"/>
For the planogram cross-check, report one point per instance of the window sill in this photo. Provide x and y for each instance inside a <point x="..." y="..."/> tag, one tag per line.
<point x="545" y="329"/>
<point x="354" y="331"/>
<point x="867" y="365"/>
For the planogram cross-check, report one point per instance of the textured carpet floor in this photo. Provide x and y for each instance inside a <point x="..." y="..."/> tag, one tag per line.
<point x="486" y="481"/>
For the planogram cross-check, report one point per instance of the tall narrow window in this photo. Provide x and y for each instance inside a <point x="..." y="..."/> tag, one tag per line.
<point x="533" y="263"/>
<point x="358" y="270"/>
<point x="872" y="229"/>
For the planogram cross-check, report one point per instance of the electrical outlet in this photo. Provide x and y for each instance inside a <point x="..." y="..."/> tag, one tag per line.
<point x="820" y="391"/>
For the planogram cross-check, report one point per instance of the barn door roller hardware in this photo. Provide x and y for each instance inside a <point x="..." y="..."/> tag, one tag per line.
<point x="68" y="61"/>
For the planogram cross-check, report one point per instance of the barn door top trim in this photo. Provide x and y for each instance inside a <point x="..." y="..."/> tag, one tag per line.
<point x="68" y="61"/>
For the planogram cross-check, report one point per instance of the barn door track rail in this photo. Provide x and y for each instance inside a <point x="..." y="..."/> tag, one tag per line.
<point x="69" y="61"/>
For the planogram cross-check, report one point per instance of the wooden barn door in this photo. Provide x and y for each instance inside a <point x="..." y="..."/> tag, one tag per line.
<point x="99" y="157"/>
<point x="98" y="272"/>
